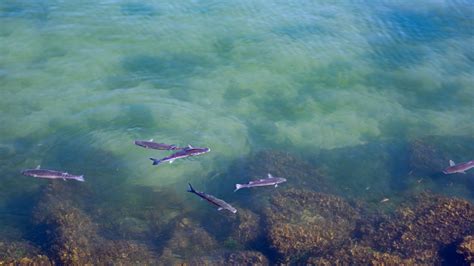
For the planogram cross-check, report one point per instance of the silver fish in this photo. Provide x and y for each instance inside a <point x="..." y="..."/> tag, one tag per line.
<point x="186" y="152"/>
<point x="458" y="168"/>
<point x="150" y="144"/>
<point x="269" y="181"/>
<point x="51" y="174"/>
<point x="222" y="205"/>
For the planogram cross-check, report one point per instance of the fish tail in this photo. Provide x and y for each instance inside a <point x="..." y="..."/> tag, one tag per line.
<point x="191" y="189"/>
<point x="80" y="178"/>
<point x="238" y="186"/>
<point x="155" y="161"/>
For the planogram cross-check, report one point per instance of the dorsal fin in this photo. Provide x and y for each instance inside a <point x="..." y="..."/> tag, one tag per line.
<point x="269" y="175"/>
<point x="451" y="163"/>
<point x="151" y="140"/>
<point x="189" y="146"/>
<point x="38" y="167"/>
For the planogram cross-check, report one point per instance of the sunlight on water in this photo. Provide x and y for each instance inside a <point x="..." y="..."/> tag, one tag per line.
<point x="369" y="96"/>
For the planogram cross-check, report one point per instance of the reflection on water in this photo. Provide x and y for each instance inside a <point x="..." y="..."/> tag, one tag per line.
<point x="359" y="105"/>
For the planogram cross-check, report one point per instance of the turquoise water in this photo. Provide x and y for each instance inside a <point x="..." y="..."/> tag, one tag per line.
<point x="344" y="85"/>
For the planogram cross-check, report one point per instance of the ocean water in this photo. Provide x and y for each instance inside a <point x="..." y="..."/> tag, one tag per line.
<point x="345" y="86"/>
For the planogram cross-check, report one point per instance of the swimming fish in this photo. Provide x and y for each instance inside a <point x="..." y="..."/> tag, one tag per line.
<point x="51" y="174"/>
<point x="150" y="144"/>
<point x="458" y="168"/>
<point x="222" y="205"/>
<point x="184" y="153"/>
<point x="269" y="181"/>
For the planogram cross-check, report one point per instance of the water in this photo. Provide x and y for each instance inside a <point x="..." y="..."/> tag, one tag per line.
<point x="345" y="87"/>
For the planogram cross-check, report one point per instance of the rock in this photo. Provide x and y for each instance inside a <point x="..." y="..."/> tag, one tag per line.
<point x="420" y="229"/>
<point x="358" y="255"/>
<point x="40" y="260"/>
<point x="246" y="230"/>
<point x="297" y="171"/>
<point x="21" y="253"/>
<point x="301" y="222"/>
<point x="187" y="240"/>
<point x="287" y="165"/>
<point x="466" y="249"/>
<point x="71" y="238"/>
<point x="425" y="158"/>
<point x="231" y="258"/>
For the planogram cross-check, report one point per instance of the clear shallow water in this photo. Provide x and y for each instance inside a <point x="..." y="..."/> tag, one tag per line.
<point x="345" y="86"/>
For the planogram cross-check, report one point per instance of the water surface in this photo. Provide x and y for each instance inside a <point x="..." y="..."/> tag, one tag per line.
<point x="345" y="86"/>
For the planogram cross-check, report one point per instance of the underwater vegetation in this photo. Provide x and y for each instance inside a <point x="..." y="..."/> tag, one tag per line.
<point x="308" y="220"/>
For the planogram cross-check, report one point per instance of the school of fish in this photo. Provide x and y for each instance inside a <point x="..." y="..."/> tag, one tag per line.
<point x="190" y="151"/>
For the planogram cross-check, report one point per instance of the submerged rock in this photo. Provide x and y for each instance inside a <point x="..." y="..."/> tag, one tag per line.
<point x="21" y="253"/>
<point x="231" y="258"/>
<point x="466" y="249"/>
<point x="421" y="229"/>
<point x="246" y="229"/>
<point x="301" y="222"/>
<point x="70" y="237"/>
<point x="358" y="255"/>
<point x="297" y="171"/>
<point x="187" y="240"/>
<point x="425" y="158"/>
<point x="430" y="155"/>
<point x="35" y="260"/>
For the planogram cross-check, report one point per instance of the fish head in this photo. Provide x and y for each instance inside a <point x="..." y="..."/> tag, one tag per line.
<point x="232" y="209"/>
<point x="197" y="151"/>
<point x="28" y="172"/>
<point x="140" y="143"/>
<point x="447" y="171"/>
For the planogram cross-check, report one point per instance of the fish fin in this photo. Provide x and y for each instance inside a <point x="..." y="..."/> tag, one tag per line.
<point x="155" y="161"/>
<point x="151" y="140"/>
<point x="189" y="146"/>
<point x="237" y="187"/>
<point x="171" y="161"/>
<point x="276" y="185"/>
<point x="38" y="167"/>
<point x="220" y="209"/>
<point x="191" y="189"/>
<point x="269" y="175"/>
<point x="80" y="178"/>
<point x="64" y="179"/>
<point x="462" y="172"/>
<point x="451" y="163"/>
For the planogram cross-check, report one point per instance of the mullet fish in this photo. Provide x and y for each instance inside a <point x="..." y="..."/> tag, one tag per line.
<point x="51" y="174"/>
<point x="458" y="168"/>
<point x="222" y="205"/>
<point x="269" y="181"/>
<point x="184" y="153"/>
<point x="150" y="144"/>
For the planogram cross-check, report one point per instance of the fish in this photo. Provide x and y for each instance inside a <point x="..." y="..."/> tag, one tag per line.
<point x="269" y="181"/>
<point x="150" y="144"/>
<point x="51" y="174"/>
<point x="184" y="153"/>
<point x="222" y="205"/>
<point x="384" y="200"/>
<point x="458" y="168"/>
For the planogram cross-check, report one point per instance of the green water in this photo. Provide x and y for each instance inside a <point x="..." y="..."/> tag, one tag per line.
<point x="343" y="84"/>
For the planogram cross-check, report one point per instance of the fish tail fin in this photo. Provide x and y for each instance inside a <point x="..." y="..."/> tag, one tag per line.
<point x="80" y="178"/>
<point x="155" y="161"/>
<point x="191" y="189"/>
<point x="237" y="187"/>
